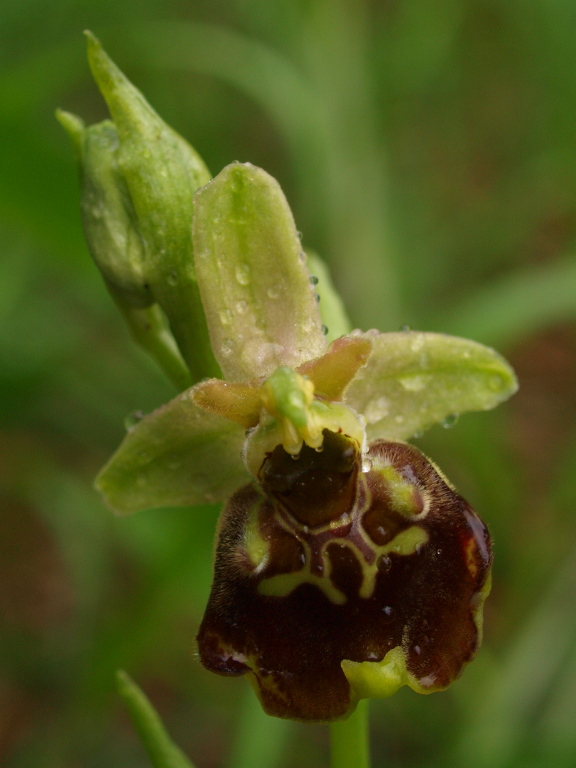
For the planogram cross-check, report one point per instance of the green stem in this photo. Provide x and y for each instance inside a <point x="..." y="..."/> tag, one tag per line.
<point x="150" y="330"/>
<point x="349" y="740"/>
<point x="160" y="748"/>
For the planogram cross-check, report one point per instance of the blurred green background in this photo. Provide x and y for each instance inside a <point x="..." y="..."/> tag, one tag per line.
<point x="428" y="149"/>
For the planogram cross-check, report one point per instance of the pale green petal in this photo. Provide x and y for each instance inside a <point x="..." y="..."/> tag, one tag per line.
<point x="176" y="456"/>
<point x="414" y="380"/>
<point x="255" y="288"/>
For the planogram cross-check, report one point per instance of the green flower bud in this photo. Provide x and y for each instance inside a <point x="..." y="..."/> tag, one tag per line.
<point x="138" y="182"/>
<point x="108" y="216"/>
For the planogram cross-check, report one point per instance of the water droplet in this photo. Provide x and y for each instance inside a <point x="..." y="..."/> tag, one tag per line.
<point x="388" y="612"/>
<point x="325" y="330"/>
<point x="378" y="408"/>
<point x="417" y="434"/>
<point x="319" y="449"/>
<point x="417" y="650"/>
<point x="405" y="328"/>
<point x="299" y="234"/>
<point x="273" y="292"/>
<point x="132" y="419"/>
<point x="225" y="316"/>
<point x="172" y="278"/>
<point x="438" y="551"/>
<point x="303" y="257"/>
<point x="241" y="307"/>
<point x="314" y="280"/>
<point x="366" y="465"/>
<point x="242" y="273"/>
<point x="317" y="298"/>
<point x="295" y="456"/>
<point x="414" y="383"/>
<point x="450" y="421"/>
<point x="226" y="347"/>
<point x="418" y="343"/>
<point x="384" y="563"/>
<point x="356" y="332"/>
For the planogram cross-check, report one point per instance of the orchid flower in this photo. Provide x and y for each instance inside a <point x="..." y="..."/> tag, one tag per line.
<point x="346" y="564"/>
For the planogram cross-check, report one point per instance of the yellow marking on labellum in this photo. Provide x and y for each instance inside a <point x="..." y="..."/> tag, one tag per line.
<point x="284" y="583"/>
<point x="477" y="606"/>
<point x="380" y="679"/>
<point x="257" y="548"/>
<point x="406" y="542"/>
<point x="403" y="492"/>
<point x="470" y="551"/>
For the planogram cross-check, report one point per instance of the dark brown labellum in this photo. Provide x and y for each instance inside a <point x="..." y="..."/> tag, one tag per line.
<point x="326" y="574"/>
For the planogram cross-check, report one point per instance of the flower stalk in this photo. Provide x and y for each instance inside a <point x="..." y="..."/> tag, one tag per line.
<point x="350" y="740"/>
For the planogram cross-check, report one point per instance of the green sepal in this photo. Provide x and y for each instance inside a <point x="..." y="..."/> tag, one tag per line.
<point x="255" y="288"/>
<point x="413" y="380"/>
<point x="162" y="172"/>
<point x="179" y="455"/>
<point x="160" y="748"/>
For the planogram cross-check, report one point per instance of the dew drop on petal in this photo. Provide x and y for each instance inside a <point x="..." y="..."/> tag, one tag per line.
<point x="376" y="409"/>
<point x="366" y="465"/>
<point x="314" y="280"/>
<point x="450" y="421"/>
<point x="242" y="273"/>
<point x="414" y="383"/>
<point x="226" y="347"/>
<point x="325" y="330"/>
<point x="225" y="316"/>
<point x="132" y="419"/>
<point x="308" y="325"/>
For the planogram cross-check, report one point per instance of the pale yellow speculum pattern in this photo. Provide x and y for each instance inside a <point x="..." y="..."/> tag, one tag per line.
<point x="380" y="679"/>
<point x="255" y="545"/>
<point x="285" y="583"/>
<point x="405" y="543"/>
<point x="402" y="492"/>
<point x="477" y="605"/>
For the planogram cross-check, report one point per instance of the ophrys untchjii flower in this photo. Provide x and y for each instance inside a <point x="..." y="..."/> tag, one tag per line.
<point x="346" y="564"/>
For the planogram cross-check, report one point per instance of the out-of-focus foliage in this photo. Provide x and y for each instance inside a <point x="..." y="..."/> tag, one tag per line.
<point x="428" y="150"/>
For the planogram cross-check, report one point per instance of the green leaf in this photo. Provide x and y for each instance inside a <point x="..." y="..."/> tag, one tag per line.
<point x="255" y="288"/>
<point x="413" y="380"/>
<point x="161" y="172"/>
<point x="177" y="456"/>
<point x="160" y="748"/>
